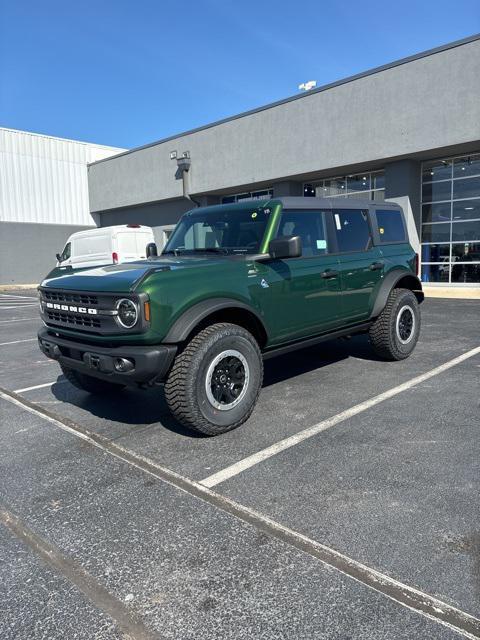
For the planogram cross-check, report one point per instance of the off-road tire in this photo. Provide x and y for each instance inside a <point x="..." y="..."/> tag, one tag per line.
<point x="89" y="383"/>
<point x="384" y="332"/>
<point x="186" y="388"/>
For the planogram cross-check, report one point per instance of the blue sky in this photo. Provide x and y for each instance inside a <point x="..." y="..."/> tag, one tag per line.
<point x="126" y="73"/>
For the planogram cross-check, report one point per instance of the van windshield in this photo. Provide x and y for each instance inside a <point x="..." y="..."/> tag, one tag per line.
<point x="227" y="230"/>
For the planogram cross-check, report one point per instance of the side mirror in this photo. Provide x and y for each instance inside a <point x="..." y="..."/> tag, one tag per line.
<point x="285" y="247"/>
<point x="58" y="257"/>
<point x="152" y="251"/>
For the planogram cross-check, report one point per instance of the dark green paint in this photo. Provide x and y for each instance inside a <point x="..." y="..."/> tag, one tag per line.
<point x="297" y="302"/>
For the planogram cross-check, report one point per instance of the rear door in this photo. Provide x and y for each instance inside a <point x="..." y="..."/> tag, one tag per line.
<point x="361" y="263"/>
<point x="126" y="243"/>
<point x="301" y="296"/>
<point x="142" y="238"/>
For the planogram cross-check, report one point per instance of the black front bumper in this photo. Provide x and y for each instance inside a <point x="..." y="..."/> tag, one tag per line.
<point x="150" y="363"/>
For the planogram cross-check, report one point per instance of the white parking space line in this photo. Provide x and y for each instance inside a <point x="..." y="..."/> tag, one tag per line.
<point x="18" y="306"/>
<point x="32" y="319"/>
<point x="15" y="297"/>
<point x="287" y="443"/>
<point x="3" y="344"/>
<point x="413" y="599"/>
<point x="40" y="386"/>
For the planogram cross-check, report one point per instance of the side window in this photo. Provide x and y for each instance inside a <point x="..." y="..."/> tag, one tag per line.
<point x="67" y="252"/>
<point x="352" y="230"/>
<point x="310" y="226"/>
<point x="390" y="226"/>
<point x="92" y="245"/>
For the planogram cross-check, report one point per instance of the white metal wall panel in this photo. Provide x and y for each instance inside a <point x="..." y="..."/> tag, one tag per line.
<point x="44" y="179"/>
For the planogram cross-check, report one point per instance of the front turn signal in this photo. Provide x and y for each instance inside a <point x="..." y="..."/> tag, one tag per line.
<point x="146" y="311"/>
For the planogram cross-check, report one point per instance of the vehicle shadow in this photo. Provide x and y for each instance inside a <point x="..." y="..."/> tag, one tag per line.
<point x="305" y="360"/>
<point x="134" y="407"/>
<point x="145" y="408"/>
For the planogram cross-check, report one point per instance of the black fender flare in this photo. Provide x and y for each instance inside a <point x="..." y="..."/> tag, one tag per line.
<point x="390" y="282"/>
<point x="186" y="323"/>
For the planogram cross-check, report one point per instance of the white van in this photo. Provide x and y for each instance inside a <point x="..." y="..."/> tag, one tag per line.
<point x="107" y="245"/>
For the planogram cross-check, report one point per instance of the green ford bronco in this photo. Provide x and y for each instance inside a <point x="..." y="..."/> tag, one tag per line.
<point x="235" y="284"/>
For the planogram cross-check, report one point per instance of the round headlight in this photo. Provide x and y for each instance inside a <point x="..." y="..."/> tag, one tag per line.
<point x="127" y="313"/>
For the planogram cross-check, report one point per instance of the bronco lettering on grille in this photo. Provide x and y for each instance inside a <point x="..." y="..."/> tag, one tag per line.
<point x="67" y="307"/>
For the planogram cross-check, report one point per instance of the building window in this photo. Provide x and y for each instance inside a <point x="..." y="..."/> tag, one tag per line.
<point x="367" y="185"/>
<point x="451" y="220"/>
<point x="264" y="194"/>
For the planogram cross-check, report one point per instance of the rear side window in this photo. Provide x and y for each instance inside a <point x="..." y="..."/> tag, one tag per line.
<point x="310" y="226"/>
<point x="352" y="230"/>
<point x="91" y="245"/>
<point x="390" y="226"/>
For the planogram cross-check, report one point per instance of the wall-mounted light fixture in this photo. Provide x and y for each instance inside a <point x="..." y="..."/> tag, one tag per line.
<point x="183" y="167"/>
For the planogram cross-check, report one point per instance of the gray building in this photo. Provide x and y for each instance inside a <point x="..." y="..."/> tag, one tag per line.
<point x="43" y="199"/>
<point x="407" y="131"/>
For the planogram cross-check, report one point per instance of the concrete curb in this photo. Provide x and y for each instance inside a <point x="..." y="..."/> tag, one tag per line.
<point x="464" y="293"/>
<point x="17" y="287"/>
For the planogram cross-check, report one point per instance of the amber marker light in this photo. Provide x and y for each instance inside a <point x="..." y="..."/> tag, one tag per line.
<point x="146" y="311"/>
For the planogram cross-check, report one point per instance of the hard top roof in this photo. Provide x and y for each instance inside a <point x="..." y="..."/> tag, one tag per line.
<point x="301" y="202"/>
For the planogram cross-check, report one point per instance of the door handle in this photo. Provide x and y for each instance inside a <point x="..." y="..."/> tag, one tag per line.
<point x="375" y="266"/>
<point x="329" y="273"/>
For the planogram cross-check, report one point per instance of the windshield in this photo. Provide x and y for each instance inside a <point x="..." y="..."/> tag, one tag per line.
<point x="221" y="230"/>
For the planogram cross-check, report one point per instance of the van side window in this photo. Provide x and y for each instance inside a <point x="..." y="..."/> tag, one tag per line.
<point x="310" y="226"/>
<point x="91" y="245"/>
<point x="390" y="226"/>
<point x="352" y="230"/>
<point x="67" y="252"/>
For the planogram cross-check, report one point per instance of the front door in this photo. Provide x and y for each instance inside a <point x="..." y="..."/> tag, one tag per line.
<point x="360" y="263"/>
<point x="300" y="296"/>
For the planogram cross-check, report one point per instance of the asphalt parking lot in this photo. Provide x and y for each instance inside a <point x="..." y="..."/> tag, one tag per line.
<point x="347" y="507"/>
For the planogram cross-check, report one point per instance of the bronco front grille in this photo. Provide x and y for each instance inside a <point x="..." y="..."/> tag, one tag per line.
<point x="87" y="311"/>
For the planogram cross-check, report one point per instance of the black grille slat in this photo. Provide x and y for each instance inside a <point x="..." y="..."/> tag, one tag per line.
<point x="79" y="298"/>
<point x="73" y="319"/>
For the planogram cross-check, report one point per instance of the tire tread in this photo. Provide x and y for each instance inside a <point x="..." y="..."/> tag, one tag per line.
<point x="178" y="393"/>
<point x="380" y="332"/>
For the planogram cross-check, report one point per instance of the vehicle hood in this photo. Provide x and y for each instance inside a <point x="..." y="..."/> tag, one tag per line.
<point x="127" y="276"/>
